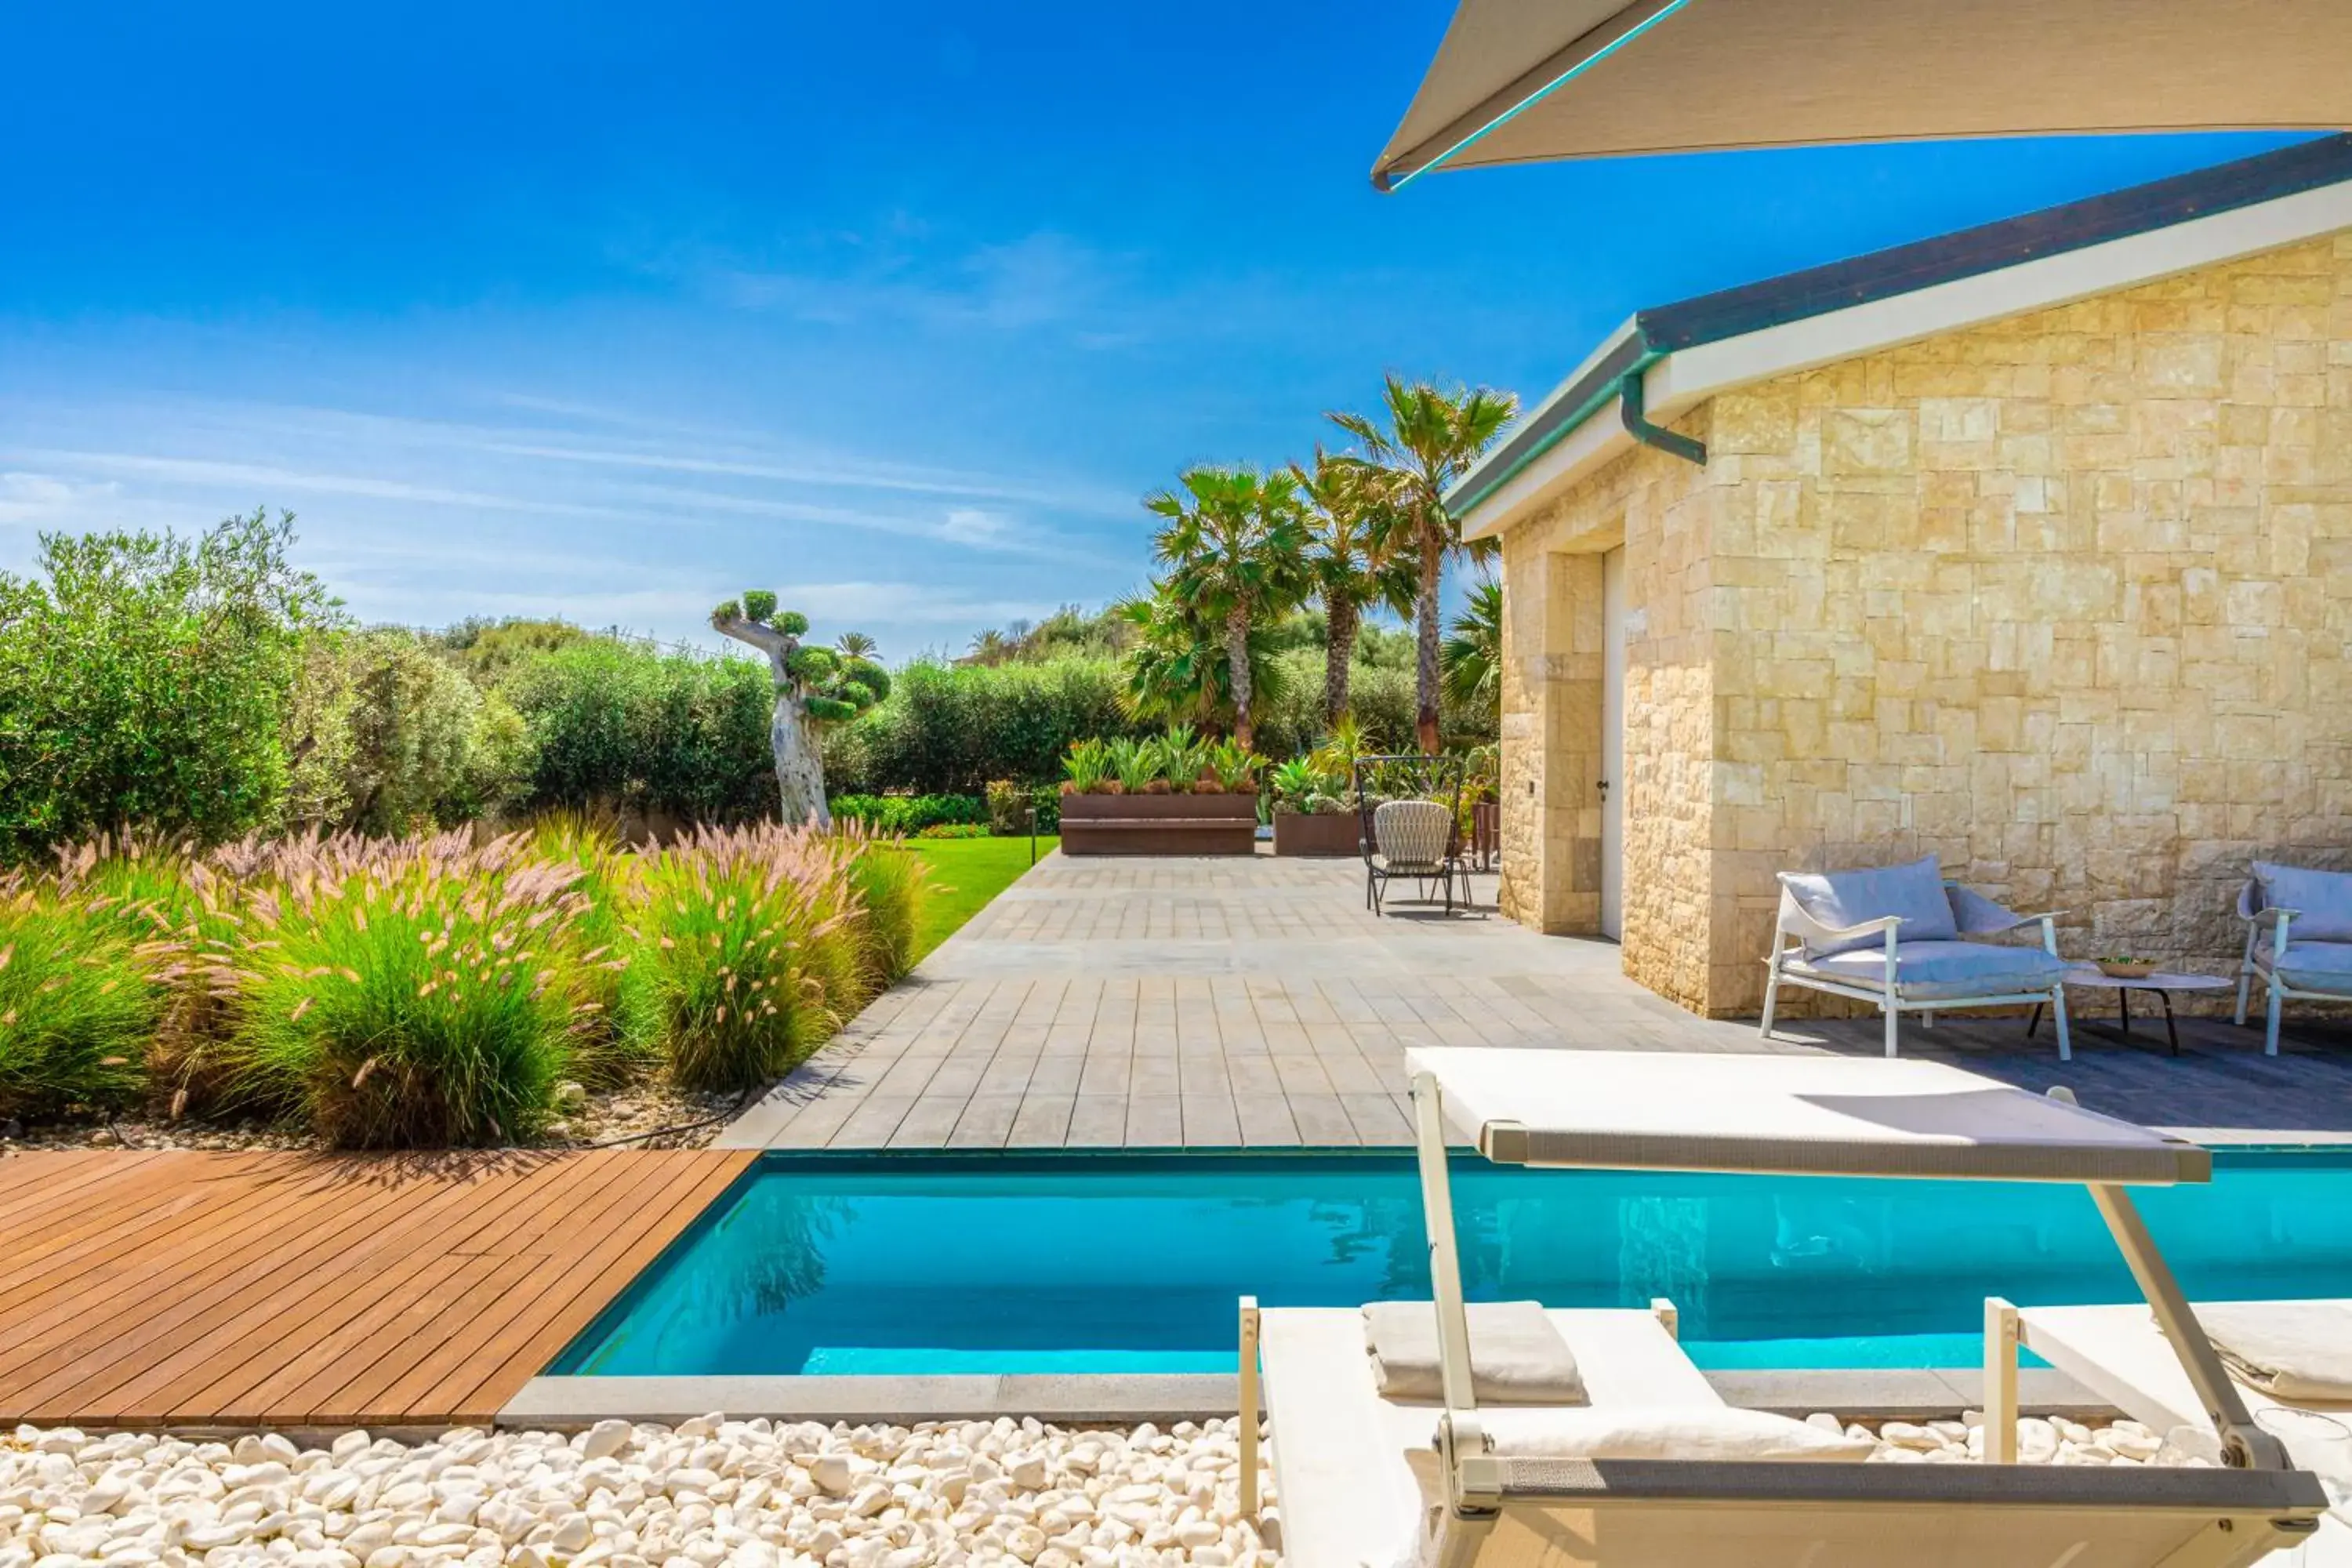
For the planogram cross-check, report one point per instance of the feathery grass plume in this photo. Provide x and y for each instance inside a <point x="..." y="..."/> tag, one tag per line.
<point x="81" y="985"/>
<point x="892" y="887"/>
<point x="747" y="954"/>
<point x="603" y="1055"/>
<point x="408" y="992"/>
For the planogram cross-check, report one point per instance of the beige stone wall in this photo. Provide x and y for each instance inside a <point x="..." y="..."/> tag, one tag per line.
<point x="2063" y="599"/>
<point x="1656" y="507"/>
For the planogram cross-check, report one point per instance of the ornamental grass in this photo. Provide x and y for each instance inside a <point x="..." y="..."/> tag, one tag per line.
<point x="748" y="953"/>
<point x="409" y="992"/>
<point x="82" y="980"/>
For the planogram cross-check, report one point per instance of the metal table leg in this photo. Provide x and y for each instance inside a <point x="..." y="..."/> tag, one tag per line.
<point x="2170" y="1029"/>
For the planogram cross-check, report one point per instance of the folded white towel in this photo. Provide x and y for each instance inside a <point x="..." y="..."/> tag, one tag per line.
<point x="2299" y="1352"/>
<point x="1516" y="1357"/>
<point x="1697" y="1433"/>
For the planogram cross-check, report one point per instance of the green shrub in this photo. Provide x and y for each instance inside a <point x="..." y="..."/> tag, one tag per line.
<point x="747" y="953"/>
<point x="406" y="742"/>
<point x="956" y="830"/>
<point x="80" y="997"/>
<point x="618" y="723"/>
<point x="145" y="679"/>
<point x="408" y="992"/>
<point x="908" y="813"/>
<point x="952" y="728"/>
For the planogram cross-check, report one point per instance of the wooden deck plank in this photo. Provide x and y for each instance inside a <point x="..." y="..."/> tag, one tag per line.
<point x="547" y="1341"/>
<point x="453" y="1378"/>
<point x="360" y="1271"/>
<point x="277" y="1289"/>
<point x="325" y="1379"/>
<point x="204" y="1266"/>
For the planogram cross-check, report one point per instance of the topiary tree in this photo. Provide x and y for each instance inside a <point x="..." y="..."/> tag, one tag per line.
<point x="814" y="686"/>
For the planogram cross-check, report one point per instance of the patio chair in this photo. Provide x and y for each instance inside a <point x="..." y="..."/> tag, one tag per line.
<point x="2314" y="962"/>
<point x="2119" y="1353"/>
<point x="1895" y="936"/>
<point x="1411" y="809"/>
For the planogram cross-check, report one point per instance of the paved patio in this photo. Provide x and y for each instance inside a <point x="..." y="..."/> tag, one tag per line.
<point x="1223" y="1003"/>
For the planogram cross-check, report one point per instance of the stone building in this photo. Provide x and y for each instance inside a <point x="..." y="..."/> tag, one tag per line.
<point x="2029" y="545"/>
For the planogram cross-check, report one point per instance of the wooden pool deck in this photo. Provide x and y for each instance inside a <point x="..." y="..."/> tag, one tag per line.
<point x="253" y="1291"/>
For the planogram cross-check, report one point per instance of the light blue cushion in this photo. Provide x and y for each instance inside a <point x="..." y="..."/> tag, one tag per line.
<point x="1932" y="970"/>
<point x="1915" y="891"/>
<point x="2322" y="900"/>
<point x="2316" y="965"/>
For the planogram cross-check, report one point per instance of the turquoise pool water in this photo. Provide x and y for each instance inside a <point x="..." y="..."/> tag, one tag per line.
<point x="932" y="1263"/>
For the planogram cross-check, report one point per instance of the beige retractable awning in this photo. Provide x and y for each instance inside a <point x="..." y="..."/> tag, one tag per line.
<point x="1523" y="81"/>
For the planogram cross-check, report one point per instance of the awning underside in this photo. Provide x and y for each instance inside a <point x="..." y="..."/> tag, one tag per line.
<point x="1801" y="1115"/>
<point x="1522" y="80"/>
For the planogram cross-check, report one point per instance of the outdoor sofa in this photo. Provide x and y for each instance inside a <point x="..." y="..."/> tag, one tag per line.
<point x="1898" y="937"/>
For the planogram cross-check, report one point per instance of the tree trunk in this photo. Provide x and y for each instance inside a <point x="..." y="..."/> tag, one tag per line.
<point x="1237" y="626"/>
<point x="1433" y="564"/>
<point x="800" y="766"/>
<point x="1338" y="657"/>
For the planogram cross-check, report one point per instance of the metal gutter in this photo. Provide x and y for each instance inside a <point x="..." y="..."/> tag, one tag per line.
<point x="1632" y="406"/>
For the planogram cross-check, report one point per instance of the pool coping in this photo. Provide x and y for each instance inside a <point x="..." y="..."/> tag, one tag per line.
<point x="565" y="1403"/>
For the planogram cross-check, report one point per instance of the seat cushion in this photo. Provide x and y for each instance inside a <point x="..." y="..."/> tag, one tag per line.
<point x="1914" y="892"/>
<point x="1930" y="971"/>
<point x="2322" y="900"/>
<point x="1410" y="833"/>
<point x="2313" y="965"/>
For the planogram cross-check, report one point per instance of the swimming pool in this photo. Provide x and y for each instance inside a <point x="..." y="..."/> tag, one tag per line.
<point x="1128" y="1263"/>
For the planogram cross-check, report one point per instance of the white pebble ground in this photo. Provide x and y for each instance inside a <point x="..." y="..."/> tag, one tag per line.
<point x="707" y="1492"/>
<point x="757" y="1494"/>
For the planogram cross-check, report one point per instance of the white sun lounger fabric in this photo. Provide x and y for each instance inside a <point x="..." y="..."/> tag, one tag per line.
<point x="2298" y="1353"/>
<point x="1789" y="1114"/>
<point x="1516" y="1357"/>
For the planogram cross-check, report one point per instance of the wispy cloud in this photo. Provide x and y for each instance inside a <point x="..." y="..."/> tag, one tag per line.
<point x="29" y="498"/>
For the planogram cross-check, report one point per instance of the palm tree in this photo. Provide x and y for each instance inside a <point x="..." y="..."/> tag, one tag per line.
<point x="1352" y="528"/>
<point x="988" y="648"/>
<point x="854" y="644"/>
<point x="1473" y="656"/>
<point x="1233" y="544"/>
<point x="1429" y="440"/>
<point x="1177" y="668"/>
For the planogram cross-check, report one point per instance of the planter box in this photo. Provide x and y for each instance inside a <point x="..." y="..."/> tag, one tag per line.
<point x="1330" y="832"/>
<point x="1160" y="825"/>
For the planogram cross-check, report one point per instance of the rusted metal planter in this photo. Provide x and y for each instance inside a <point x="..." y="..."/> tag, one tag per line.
<point x="1159" y="823"/>
<point x="1337" y="832"/>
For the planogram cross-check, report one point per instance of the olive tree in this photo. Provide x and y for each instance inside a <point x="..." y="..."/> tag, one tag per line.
<point x="814" y="687"/>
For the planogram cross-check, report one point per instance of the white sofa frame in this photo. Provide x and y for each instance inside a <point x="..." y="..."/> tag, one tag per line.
<point x="1793" y="922"/>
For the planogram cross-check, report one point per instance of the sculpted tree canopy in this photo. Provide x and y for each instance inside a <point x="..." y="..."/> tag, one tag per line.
<point x="814" y="686"/>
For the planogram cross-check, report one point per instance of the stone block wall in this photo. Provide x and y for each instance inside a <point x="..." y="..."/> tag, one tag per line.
<point x="2063" y="599"/>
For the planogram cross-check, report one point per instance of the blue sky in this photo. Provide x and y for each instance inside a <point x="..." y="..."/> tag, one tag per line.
<point x="610" y="311"/>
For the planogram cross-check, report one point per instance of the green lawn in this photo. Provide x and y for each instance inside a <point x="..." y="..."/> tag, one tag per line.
<point x="965" y="874"/>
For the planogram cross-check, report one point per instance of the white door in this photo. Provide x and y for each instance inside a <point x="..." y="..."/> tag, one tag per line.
<point x="1613" y="745"/>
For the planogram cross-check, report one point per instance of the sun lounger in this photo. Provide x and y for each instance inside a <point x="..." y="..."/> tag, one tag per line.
<point x="2119" y="1353"/>
<point x="1345" y="1458"/>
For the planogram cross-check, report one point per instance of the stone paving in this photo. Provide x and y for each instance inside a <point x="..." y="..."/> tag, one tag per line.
<point x="1230" y="1003"/>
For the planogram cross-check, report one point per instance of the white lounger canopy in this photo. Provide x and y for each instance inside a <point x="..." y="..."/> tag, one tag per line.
<point x="1785" y="1114"/>
<point x="1517" y="81"/>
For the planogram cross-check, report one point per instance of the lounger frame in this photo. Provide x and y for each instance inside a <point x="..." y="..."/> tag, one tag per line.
<point x="2228" y="1515"/>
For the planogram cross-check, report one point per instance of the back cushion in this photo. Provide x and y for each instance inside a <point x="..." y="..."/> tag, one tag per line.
<point x="2324" y="899"/>
<point x="1915" y="891"/>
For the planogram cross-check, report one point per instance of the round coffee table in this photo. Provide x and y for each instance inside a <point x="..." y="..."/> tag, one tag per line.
<point x="2162" y="984"/>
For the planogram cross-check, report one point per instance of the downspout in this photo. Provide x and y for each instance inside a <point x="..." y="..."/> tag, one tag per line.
<point x="1631" y="392"/>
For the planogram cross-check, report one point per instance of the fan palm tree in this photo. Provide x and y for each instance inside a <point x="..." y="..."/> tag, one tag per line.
<point x="1351" y="559"/>
<point x="1233" y="544"/>
<point x="1427" y="440"/>
<point x="854" y="644"/>
<point x="1177" y="667"/>
<point x="1473" y="655"/>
